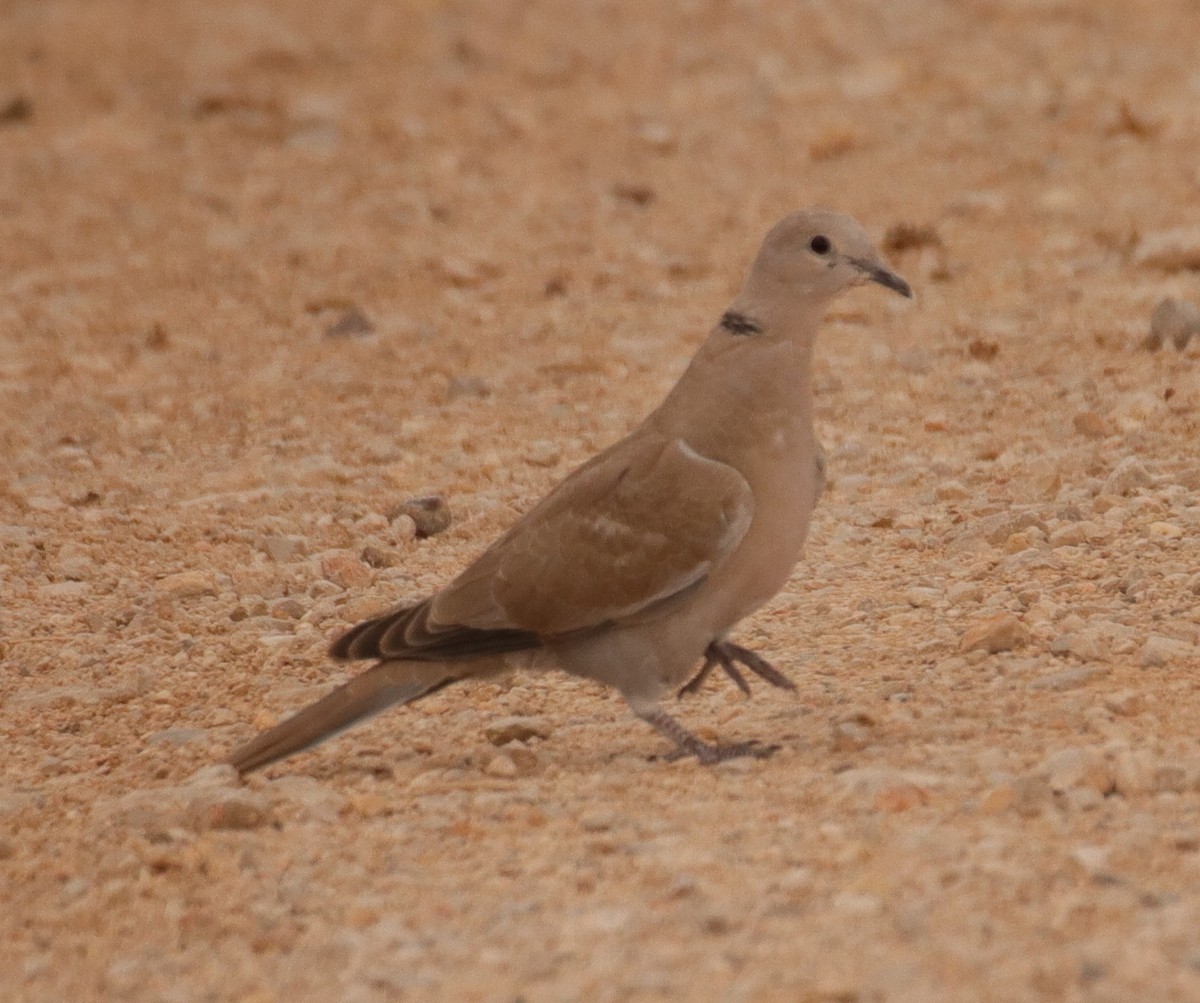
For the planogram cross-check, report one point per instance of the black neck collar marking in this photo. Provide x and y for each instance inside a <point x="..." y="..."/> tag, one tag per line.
<point x="739" y="323"/>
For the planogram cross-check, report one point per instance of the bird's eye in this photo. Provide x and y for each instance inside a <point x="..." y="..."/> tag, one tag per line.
<point x="820" y="245"/>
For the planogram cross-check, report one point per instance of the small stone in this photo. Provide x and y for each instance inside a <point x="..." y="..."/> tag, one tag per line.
<point x="638" y="194"/>
<point x="378" y="557"/>
<point x="1164" y="530"/>
<point x="1173" y="250"/>
<point x="342" y="567"/>
<point x="220" y="808"/>
<point x="517" y="729"/>
<point x="1159" y="651"/>
<point x="963" y="593"/>
<point x="1133" y="772"/>
<point x="951" y="491"/>
<point x="501" y="765"/>
<point x="1127" y="477"/>
<point x="1002" y="632"/>
<point x="597" y="820"/>
<point x="1088" y="644"/>
<point x="176" y="736"/>
<point x="1173" y="320"/>
<point x="997" y="799"/>
<point x="288" y="609"/>
<point x="1093" y="859"/>
<point x="282" y="549"/>
<point x="1172" y="778"/>
<point x="468" y="386"/>
<point x="465" y="273"/>
<point x="215" y="775"/>
<point x="74" y="564"/>
<point x="430" y="514"/>
<point x="187" y="585"/>
<point x="850" y="736"/>
<point x="1078" y="767"/>
<point x="922" y="597"/>
<point x="64" y="590"/>
<point x="352" y="323"/>
<point x="1068" y="679"/>
<point x="900" y="797"/>
<point x="998" y="528"/>
<point x="1126" y="703"/>
<point x="542" y="453"/>
<point x="1073" y="534"/>
<point x="1031" y="794"/>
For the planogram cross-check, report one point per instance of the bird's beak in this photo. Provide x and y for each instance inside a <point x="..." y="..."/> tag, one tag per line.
<point x="873" y="271"/>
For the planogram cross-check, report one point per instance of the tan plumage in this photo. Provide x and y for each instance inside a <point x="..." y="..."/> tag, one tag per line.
<point x="637" y="564"/>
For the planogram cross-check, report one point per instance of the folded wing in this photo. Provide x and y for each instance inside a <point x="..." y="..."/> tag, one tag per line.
<point x="639" y="526"/>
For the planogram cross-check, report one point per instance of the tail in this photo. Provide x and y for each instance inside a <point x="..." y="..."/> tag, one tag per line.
<point x="381" y="686"/>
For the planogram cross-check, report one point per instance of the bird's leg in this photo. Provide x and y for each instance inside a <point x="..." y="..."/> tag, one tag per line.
<point x="727" y="655"/>
<point x="687" y="744"/>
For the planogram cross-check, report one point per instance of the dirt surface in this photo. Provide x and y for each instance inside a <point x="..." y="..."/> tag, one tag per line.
<point x="269" y="269"/>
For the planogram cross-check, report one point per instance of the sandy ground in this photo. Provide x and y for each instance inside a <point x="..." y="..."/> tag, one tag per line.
<point x="271" y="268"/>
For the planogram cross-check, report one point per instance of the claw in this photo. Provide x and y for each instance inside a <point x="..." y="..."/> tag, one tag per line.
<point x="687" y="744"/>
<point x="727" y="655"/>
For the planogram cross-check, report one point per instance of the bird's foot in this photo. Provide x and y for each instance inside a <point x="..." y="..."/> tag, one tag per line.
<point x="709" y="754"/>
<point x="687" y="744"/>
<point x="728" y="655"/>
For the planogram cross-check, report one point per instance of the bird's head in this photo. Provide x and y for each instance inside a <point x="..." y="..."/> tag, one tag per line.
<point x="814" y="254"/>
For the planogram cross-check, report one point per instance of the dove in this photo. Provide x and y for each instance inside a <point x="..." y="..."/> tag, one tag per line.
<point x="639" y="563"/>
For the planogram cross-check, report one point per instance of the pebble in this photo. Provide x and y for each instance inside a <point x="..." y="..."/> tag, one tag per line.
<point x="1068" y="679"/>
<point x="282" y="549"/>
<point x="951" y="491"/>
<point x="542" y="453"/>
<point x="176" y="736"/>
<point x="468" y="386"/>
<point x="187" y="584"/>
<point x="517" y="729"/>
<point x="1078" y="767"/>
<point x="1133" y="772"/>
<point x="1174" y="250"/>
<point x="849" y="736"/>
<point x="1126" y="703"/>
<point x="501" y="765"/>
<point x="289" y="609"/>
<point x="225" y="808"/>
<point x="1164" y="530"/>
<point x="1159" y="651"/>
<point x="1127" y="477"/>
<point x="1002" y="632"/>
<point x="343" y="568"/>
<point x="962" y="593"/>
<point x="1073" y="534"/>
<point x="350" y="323"/>
<point x="74" y="564"/>
<point x="1088" y="644"/>
<point x="1175" y="321"/>
<point x="430" y="514"/>
<point x="64" y="590"/>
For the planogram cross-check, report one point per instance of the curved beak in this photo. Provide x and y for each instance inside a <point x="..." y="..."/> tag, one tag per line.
<point x="873" y="271"/>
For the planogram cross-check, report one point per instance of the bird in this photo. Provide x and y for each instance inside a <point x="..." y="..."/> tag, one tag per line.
<point x="640" y="562"/>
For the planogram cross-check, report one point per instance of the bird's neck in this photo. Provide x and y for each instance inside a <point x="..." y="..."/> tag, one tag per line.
<point x="745" y="387"/>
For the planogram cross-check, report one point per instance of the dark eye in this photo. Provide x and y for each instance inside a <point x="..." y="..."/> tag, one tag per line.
<point x="820" y="245"/>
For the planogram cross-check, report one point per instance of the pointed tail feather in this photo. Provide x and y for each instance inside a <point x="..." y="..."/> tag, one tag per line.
<point x="378" y="688"/>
